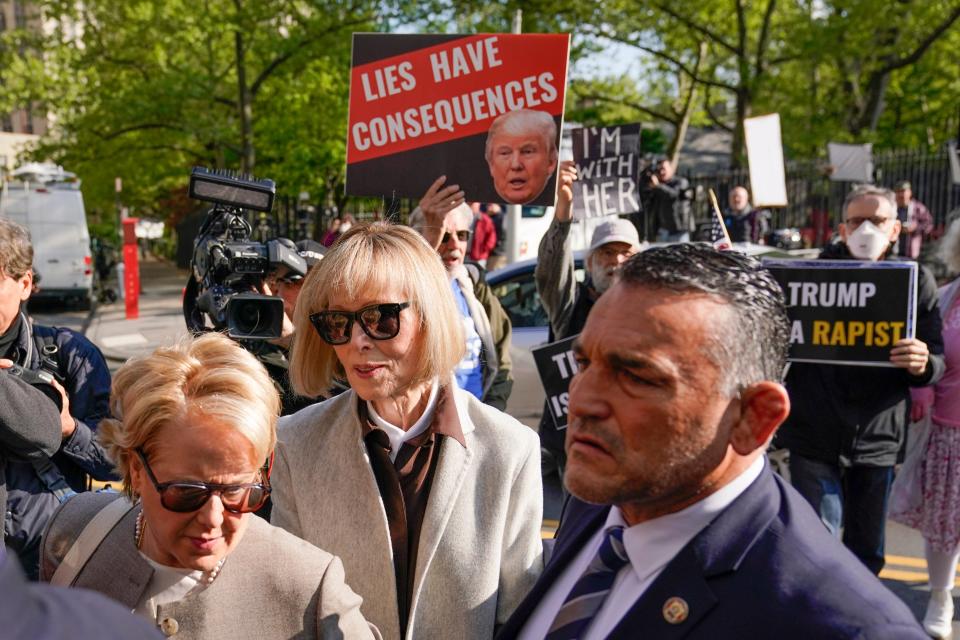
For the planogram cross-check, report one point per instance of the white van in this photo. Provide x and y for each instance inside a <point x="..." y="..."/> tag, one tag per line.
<point x="47" y="201"/>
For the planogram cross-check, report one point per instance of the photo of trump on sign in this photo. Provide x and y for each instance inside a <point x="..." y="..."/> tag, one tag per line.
<point x="521" y="152"/>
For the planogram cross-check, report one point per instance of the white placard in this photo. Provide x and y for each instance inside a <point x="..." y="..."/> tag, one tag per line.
<point x="851" y="162"/>
<point x="765" y="156"/>
<point x="954" y="156"/>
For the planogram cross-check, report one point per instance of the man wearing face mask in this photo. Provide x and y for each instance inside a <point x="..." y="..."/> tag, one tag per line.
<point x="848" y="423"/>
<point x="566" y="301"/>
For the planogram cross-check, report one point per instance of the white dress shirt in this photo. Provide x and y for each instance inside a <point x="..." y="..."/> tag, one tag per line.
<point x="397" y="435"/>
<point x="650" y="545"/>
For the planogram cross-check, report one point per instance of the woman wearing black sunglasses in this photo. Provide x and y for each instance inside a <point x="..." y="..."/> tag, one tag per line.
<point x="195" y="423"/>
<point x="432" y="499"/>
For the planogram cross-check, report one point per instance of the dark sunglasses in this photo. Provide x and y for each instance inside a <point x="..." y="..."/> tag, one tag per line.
<point x="462" y="235"/>
<point x="184" y="497"/>
<point x="379" y="321"/>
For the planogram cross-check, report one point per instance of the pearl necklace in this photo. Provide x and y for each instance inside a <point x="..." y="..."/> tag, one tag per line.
<point x="209" y="576"/>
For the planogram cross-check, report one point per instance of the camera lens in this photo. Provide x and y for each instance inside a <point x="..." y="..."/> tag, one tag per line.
<point x="247" y="317"/>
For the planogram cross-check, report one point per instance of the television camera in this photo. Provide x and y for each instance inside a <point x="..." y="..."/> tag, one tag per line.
<point x="228" y="267"/>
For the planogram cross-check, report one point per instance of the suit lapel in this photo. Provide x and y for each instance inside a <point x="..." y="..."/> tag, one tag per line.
<point x="452" y="469"/>
<point x="673" y="604"/>
<point x="579" y="523"/>
<point x="681" y="595"/>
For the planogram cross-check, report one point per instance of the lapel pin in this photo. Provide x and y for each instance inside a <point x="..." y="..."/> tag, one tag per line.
<point x="675" y="610"/>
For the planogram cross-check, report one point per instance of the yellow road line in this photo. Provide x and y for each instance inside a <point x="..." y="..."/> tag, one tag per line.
<point x="907" y="561"/>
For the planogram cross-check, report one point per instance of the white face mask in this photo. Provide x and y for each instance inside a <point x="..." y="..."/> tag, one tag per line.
<point x="345" y="227"/>
<point x="868" y="241"/>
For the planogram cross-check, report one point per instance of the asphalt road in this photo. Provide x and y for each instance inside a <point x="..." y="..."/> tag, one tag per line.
<point x="905" y="573"/>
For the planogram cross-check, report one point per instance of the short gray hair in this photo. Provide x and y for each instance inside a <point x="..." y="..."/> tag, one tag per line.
<point x="751" y="344"/>
<point x="868" y="191"/>
<point x="418" y="220"/>
<point x="521" y="121"/>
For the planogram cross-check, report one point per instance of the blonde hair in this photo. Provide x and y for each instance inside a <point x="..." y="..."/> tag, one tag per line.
<point x="367" y="259"/>
<point x="210" y="375"/>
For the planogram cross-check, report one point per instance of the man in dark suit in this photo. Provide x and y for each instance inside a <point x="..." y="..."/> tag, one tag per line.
<point x="677" y="528"/>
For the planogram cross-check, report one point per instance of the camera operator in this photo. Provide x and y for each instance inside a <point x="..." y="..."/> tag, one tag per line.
<point x="274" y="354"/>
<point x="666" y="198"/>
<point x="80" y="375"/>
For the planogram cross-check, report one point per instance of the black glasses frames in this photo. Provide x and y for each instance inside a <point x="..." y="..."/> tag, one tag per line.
<point x="378" y="321"/>
<point x="462" y="235"/>
<point x="184" y="497"/>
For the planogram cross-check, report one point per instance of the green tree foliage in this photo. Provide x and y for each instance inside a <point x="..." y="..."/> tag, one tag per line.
<point x="144" y="89"/>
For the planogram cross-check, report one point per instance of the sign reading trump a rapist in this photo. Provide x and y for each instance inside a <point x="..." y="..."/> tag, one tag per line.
<point x="847" y="312"/>
<point x="483" y="110"/>
<point x="607" y="161"/>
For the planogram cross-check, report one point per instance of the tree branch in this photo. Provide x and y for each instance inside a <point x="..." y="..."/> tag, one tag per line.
<point x="759" y="66"/>
<point x="626" y="103"/>
<point x="663" y="55"/>
<point x="133" y="128"/>
<point x="917" y="53"/>
<point x="712" y="35"/>
<point x="714" y="118"/>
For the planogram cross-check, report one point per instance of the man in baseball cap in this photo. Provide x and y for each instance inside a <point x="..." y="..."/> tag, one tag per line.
<point x="566" y="301"/>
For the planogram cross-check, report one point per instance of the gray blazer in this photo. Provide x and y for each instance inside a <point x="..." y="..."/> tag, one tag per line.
<point x="480" y="548"/>
<point x="272" y="584"/>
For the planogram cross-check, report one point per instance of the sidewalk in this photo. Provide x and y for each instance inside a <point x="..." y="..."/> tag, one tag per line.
<point x="161" y="316"/>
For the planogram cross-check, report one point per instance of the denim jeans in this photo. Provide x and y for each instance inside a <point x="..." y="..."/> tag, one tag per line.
<point x="854" y="498"/>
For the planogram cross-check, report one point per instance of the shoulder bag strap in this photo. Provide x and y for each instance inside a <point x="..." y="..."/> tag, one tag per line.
<point x="88" y="541"/>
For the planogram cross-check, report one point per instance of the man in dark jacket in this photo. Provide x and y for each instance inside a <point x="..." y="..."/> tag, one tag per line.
<point x="35" y="488"/>
<point x="848" y="423"/>
<point x="29" y="423"/>
<point x="665" y="200"/>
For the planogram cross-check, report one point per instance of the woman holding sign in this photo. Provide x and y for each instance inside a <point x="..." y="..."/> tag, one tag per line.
<point x="432" y="499"/>
<point x="937" y="516"/>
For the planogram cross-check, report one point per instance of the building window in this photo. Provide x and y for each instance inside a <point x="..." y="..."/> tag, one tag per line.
<point x="19" y="14"/>
<point x="6" y="122"/>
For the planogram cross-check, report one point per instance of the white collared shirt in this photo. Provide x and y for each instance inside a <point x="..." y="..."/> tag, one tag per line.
<point x="397" y="435"/>
<point x="650" y="545"/>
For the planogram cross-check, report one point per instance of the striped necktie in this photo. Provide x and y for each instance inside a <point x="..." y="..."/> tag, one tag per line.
<point x="587" y="596"/>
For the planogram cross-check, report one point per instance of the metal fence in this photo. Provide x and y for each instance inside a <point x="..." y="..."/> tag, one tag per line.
<point x="815" y="201"/>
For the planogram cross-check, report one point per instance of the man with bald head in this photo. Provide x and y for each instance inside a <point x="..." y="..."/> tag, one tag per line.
<point x="521" y="152"/>
<point x="677" y="527"/>
<point x="443" y="219"/>
<point x="744" y="223"/>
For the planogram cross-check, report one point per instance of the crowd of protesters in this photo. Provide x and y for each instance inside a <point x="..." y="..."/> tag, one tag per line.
<point x="401" y="502"/>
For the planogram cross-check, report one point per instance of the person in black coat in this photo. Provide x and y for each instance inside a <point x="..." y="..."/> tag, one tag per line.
<point x="848" y="422"/>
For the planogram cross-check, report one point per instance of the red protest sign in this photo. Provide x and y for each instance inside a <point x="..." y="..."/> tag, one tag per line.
<point x="423" y="105"/>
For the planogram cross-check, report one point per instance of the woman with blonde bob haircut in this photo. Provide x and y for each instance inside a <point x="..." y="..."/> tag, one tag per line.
<point x="432" y="499"/>
<point x="194" y="424"/>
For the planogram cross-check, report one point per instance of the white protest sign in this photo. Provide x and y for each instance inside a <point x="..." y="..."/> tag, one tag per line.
<point x="765" y="156"/>
<point x="851" y="162"/>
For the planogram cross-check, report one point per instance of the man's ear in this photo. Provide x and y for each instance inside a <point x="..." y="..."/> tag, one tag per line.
<point x="26" y="285"/>
<point x="763" y="407"/>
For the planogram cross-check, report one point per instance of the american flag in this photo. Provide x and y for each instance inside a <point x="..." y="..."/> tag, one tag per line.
<point x="719" y="237"/>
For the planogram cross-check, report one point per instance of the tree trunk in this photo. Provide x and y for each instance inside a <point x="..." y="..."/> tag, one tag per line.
<point x="676" y="145"/>
<point x="247" y="157"/>
<point x="739" y="144"/>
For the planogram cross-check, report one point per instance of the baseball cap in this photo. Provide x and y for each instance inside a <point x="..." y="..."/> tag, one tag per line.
<point x="311" y="251"/>
<point x="903" y="185"/>
<point x="615" y="230"/>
